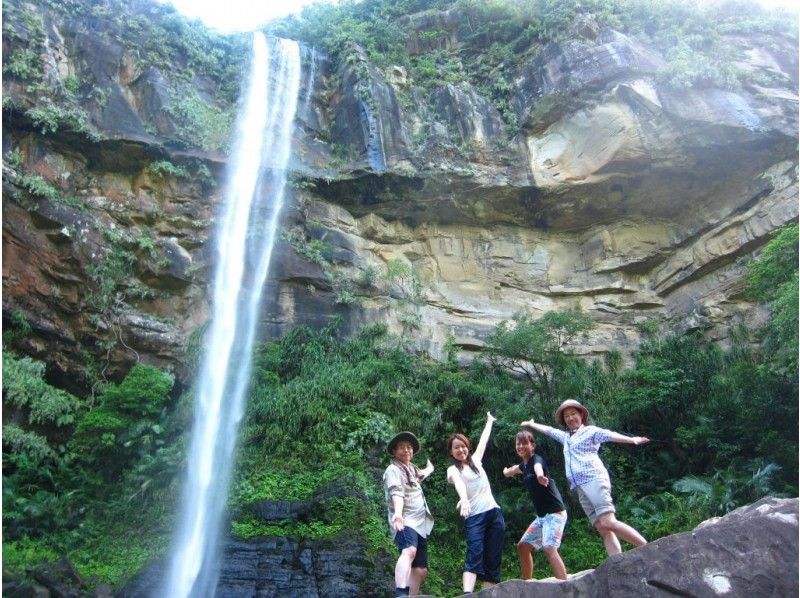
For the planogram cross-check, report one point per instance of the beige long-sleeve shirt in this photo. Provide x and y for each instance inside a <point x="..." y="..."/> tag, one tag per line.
<point x="416" y="513"/>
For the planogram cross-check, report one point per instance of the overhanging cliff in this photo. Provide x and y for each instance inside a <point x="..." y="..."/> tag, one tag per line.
<point x="595" y="182"/>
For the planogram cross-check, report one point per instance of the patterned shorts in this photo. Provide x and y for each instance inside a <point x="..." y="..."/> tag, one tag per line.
<point x="546" y="531"/>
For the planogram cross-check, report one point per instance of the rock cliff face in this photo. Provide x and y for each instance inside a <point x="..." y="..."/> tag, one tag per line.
<point x="617" y="194"/>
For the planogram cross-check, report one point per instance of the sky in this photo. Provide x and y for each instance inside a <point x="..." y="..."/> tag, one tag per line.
<point x="229" y="16"/>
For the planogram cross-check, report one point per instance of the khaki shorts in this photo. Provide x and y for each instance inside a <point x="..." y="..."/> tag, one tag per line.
<point x="595" y="497"/>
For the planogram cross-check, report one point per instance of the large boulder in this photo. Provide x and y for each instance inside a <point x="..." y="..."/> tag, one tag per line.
<point x="752" y="551"/>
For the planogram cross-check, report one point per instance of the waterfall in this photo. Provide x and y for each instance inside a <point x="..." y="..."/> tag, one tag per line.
<point x="244" y="240"/>
<point x="312" y="71"/>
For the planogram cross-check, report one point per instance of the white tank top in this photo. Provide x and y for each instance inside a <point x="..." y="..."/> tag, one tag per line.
<point x="479" y="492"/>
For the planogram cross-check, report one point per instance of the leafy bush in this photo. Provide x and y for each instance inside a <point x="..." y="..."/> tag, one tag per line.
<point x="143" y="392"/>
<point x="729" y="488"/>
<point x="39" y="186"/>
<point x="200" y="122"/>
<point x="126" y="425"/>
<point x="773" y="279"/>
<point x="24" y="388"/>
<point x="164" y="168"/>
<point x="50" y="117"/>
<point x="24" y="64"/>
<point x="89" y="491"/>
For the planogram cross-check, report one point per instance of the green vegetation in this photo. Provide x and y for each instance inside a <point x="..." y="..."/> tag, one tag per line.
<point x="538" y="350"/>
<point x="498" y="38"/>
<point x="111" y="273"/>
<point x="773" y="279"/>
<point x="50" y="117"/>
<point x="317" y="251"/>
<point x="24" y="64"/>
<point x="85" y="478"/>
<point x="200" y="123"/>
<point x="399" y="280"/>
<point x="157" y="36"/>
<point x="37" y="185"/>
<point x="718" y="443"/>
<point x="165" y="168"/>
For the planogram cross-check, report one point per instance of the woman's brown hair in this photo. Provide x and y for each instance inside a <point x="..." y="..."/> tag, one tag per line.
<point x="525" y="435"/>
<point x="465" y="440"/>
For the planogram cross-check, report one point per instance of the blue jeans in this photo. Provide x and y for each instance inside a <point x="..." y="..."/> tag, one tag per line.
<point x="485" y="533"/>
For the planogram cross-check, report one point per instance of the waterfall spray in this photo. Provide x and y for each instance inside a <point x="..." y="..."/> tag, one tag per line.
<point x="244" y="240"/>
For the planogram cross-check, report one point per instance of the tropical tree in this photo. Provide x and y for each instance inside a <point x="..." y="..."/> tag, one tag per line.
<point x="539" y="351"/>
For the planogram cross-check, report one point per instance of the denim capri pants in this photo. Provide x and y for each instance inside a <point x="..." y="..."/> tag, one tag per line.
<point x="485" y="533"/>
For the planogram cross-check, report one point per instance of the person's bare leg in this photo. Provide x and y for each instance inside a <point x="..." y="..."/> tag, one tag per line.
<point x="487" y="584"/>
<point x="609" y="528"/>
<point x="610" y="541"/>
<point x="556" y="564"/>
<point x="525" y="552"/>
<point x="415" y="580"/>
<point x="625" y="531"/>
<point x="402" y="570"/>
<point x="468" y="581"/>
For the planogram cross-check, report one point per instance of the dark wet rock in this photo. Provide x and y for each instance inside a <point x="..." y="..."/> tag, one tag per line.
<point x="281" y="567"/>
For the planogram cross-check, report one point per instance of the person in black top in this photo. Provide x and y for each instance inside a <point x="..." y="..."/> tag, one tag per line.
<point x="545" y="532"/>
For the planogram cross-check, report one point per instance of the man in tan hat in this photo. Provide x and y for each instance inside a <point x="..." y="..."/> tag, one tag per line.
<point x="586" y="472"/>
<point x="410" y="520"/>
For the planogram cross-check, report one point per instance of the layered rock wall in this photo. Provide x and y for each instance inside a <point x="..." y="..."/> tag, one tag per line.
<point x="617" y="194"/>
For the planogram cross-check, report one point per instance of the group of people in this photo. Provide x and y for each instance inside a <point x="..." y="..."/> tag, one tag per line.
<point x="411" y="522"/>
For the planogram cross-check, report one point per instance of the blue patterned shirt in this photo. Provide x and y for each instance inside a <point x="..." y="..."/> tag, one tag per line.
<point x="581" y="461"/>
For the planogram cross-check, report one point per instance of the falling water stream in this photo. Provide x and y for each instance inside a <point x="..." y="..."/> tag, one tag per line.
<point x="244" y="240"/>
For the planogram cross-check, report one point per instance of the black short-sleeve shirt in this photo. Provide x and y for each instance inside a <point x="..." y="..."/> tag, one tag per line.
<point x="546" y="499"/>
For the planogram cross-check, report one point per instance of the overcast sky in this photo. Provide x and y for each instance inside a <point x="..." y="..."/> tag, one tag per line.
<point x="246" y="15"/>
<point x="238" y="15"/>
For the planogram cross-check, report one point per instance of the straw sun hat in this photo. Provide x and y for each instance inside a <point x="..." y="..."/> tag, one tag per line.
<point x="575" y="405"/>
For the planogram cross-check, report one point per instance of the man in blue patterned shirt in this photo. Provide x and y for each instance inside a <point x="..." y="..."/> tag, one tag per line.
<point x="586" y="472"/>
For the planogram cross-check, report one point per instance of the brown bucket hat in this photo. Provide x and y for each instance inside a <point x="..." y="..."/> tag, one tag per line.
<point x="574" y="404"/>
<point x="403" y="436"/>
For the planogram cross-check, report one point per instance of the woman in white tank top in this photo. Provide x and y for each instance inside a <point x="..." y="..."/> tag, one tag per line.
<point x="483" y="519"/>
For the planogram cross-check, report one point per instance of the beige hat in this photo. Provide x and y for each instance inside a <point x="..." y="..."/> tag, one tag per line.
<point x="403" y="436"/>
<point x="575" y="405"/>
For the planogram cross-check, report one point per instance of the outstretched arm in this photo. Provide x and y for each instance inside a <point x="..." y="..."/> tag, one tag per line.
<point x="510" y="472"/>
<point x="538" y="427"/>
<point x="454" y="477"/>
<point x="554" y="433"/>
<point x="637" y="440"/>
<point x="484" y="440"/>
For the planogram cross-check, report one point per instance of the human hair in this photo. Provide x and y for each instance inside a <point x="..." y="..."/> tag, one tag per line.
<point x="525" y="435"/>
<point x="465" y="440"/>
